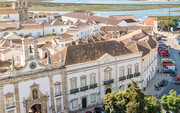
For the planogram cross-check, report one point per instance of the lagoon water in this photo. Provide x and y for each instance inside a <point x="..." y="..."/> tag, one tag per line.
<point x="141" y="14"/>
<point x="113" y="2"/>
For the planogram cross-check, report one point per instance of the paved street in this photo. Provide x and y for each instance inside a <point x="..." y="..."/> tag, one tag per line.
<point x="170" y="40"/>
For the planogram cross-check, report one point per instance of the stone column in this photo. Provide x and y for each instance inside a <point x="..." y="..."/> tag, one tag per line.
<point x="2" y="103"/>
<point x="99" y="83"/>
<point x="64" y="90"/>
<point x="16" y="89"/>
<point x="51" y="92"/>
<point x="25" y="49"/>
<point x="116" y="75"/>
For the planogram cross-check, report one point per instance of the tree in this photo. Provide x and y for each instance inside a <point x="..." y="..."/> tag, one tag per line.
<point x="115" y="102"/>
<point x="131" y="100"/>
<point x="171" y="102"/>
<point x="175" y="22"/>
<point x="136" y="97"/>
<point x="152" y="105"/>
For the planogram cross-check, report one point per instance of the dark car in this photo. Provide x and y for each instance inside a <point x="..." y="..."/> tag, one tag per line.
<point x="99" y="110"/>
<point x="179" y="51"/>
<point x="89" y="112"/>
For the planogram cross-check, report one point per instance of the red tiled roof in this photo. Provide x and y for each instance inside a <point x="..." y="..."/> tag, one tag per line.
<point x="122" y="17"/>
<point x="104" y="20"/>
<point x="149" y="21"/>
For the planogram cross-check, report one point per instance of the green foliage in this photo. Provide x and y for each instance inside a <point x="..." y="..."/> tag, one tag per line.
<point x="52" y="34"/>
<point x="131" y="100"/>
<point x="61" y="20"/>
<point x="171" y="102"/>
<point x="136" y="97"/>
<point x="115" y="102"/>
<point x="175" y="21"/>
<point x="152" y="105"/>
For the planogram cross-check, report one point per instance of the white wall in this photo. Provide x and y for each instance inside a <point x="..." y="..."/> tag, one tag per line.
<point x="24" y="90"/>
<point x="57" y="29"/>
<point x="13" y="53"/>
<point x="98" y="67"/>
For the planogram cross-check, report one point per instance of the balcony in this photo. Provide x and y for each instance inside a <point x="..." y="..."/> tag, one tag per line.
<point x="93" y="86"/>
<point x="74" y="90"/>
<point x="136" y="74"/>
<point x="122" y="78"/>
<point x="84" y="88"/>
<point x="129" y="76"/>
<point x="9" y="106"/>
<point x="58" y="94"/>
<point x="108" y="81"/>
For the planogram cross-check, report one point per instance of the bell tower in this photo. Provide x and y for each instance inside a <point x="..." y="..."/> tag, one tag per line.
<point x="30" y="50"/>
<point x="22" y="7"/>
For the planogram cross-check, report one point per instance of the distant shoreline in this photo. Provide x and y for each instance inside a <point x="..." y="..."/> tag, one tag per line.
<point x="44" y="6"/>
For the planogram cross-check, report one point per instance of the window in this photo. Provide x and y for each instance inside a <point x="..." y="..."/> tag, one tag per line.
<point x="53" y="30"/>
<point x="12" y="111"/>
<point x="122" y="72"/>
<point x="93" y="98"/>
<point x="92" y="79"/>
<point x="136" y="68"/>
<point x="83" y="81"/>
<point x="58" y="102"/>
<point x="9" y="101"/>
<point x="107" y="75"/>
<point x="57" y="89"/>
<point x="38" y="34"/>
<point x="129" y="70"/>
<point x="62" y="30"/>
<point x="75" y="103"/>
<point x="73" y="83"/>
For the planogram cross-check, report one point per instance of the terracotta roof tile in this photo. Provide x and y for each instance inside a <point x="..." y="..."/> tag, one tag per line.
<point x="122" y="17"/>
<point x="90" y="52"/>
<point x="104" y="20"/>
<point x="56" y="22"/>
<point x="149" y="21"/>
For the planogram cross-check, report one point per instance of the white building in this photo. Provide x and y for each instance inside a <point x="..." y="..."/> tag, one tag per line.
<point x="103" y="21"/>
<point x="56" y="27"/>
<point x="32" y="28"/>
<point x="78" y="76"/>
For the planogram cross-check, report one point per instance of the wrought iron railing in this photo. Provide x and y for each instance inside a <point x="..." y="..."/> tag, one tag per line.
<point x="108" y="81"/>
<point x="83" y="88"/>
<point x="74" y="90"/>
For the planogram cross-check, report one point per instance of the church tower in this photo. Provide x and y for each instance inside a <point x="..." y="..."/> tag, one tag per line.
<point x="22" y="7"/>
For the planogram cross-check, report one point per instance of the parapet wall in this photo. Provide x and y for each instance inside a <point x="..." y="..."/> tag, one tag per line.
<point x="126" y="28"/>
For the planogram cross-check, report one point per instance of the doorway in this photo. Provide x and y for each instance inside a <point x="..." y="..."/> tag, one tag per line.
<point x="108" y="90"/>
<point x="84" y="102"/>
<point x="37" y="108"/>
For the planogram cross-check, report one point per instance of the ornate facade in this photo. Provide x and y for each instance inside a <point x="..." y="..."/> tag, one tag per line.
<point x="76" y="77"/>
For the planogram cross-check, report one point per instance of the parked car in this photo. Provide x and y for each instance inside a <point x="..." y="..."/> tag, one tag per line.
<point x="99" y="110"/>
<point x="179" y="51"/>
<point x="177" y="81"/>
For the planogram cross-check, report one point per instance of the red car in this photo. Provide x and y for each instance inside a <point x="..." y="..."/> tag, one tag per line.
<point x="177" y="81"/>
